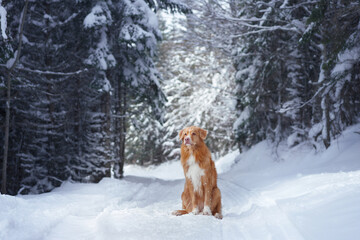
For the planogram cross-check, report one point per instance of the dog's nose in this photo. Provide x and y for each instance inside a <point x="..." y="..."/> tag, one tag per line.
<point x="187" y="140"/>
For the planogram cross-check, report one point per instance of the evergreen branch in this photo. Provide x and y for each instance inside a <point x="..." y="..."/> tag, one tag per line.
<point x="244" y="20"/>
<point x="266" y="29"/>
<point x="326" y="86"/>
<point x="53" y="73"/>
<point x="48" y="72"/>
<point x="11" y="64"/>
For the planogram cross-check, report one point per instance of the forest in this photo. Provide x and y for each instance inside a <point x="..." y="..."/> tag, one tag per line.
<point x="87" y="86"/>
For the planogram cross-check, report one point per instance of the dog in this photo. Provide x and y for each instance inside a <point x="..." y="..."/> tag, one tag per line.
<point x="201" y="194"/>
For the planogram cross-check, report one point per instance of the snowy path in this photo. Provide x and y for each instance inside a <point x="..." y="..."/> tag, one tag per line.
<point x="136" y="208"/>
<point x="305" y="196"/>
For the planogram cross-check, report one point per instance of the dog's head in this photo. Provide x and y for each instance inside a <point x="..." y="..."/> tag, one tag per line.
<point x="192" y="136"/>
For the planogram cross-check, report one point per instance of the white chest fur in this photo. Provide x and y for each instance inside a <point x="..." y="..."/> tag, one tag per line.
<point x="194" y="173"/>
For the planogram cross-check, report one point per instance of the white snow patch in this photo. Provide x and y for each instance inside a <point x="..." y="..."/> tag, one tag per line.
<point x="285" y="3"/>
<point x="99" y="15"/>
<point x="346" y="60"/>
<point x="225" y="163"/>
<point x="3" y="21"/>
<point x="307" y="195"/>
<point x="166" y="171"/>
<point x="242" y="118"/>
<point x="11" y="61"/>
<point x="293" y="139"/>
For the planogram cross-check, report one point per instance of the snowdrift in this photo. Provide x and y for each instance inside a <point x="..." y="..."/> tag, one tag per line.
<point x="294" y="194"/>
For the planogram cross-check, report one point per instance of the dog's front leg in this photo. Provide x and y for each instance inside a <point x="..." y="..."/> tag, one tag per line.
<point x="207" y="200"/>
<point x="194" y="204"/>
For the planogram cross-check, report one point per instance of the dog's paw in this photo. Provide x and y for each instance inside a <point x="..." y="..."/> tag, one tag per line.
<point x="179" y="212"/>
<point x="218" y="215"/>
<point x="207" y="211"/>
<point x="195" y="211"/>
<point x="176" y="213"/>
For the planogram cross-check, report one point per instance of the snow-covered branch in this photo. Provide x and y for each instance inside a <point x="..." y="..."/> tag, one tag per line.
<point x="48" y="72"/>
<point x="3" y="22"/>
<point x="266" y="29"/>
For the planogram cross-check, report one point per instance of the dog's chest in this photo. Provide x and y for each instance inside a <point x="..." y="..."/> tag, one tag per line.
<point x="194" y="173"/>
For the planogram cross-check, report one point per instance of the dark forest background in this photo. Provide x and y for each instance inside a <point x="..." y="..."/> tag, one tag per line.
<point x="88" y="85"/>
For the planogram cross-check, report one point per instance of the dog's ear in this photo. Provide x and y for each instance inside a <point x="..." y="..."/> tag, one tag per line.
<point x="203" y="133"/>
<point x="181" y="134"/>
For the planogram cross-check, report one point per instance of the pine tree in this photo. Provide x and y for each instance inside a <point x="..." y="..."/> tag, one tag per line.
<point x="80" y="70"/>
<point x="285" y="69"/>
<point x="80" y="115"/>
<point x="128" y="35"/>
<point x="193" y="74"/>
<point x="144" y="145"/>
<point x="40" y="111"/>
<point x="145" y="135"/>
<point x="334" y="25"/>
<point x="273" y="72"/>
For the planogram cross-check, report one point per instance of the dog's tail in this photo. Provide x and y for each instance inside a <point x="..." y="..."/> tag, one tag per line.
<point x="179" y="212"/>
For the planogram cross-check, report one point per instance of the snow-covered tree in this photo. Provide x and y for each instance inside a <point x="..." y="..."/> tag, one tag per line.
<point x="128" y="35"/>
<point x="334" y="25"/>
<point x="145" y="136"/>
<point x="285" y="55"/>
<point x="272" y="72"/>
<point x="43" y="104"/>
<point x="11" y="58"/>
<point x="197" y="83"/>
<point x="81" y="68"/>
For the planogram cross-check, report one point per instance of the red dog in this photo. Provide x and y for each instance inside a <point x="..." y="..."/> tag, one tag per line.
<point x="201" y="194"/>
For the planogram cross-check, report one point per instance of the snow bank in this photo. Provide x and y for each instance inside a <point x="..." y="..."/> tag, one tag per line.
<point x="173" y="170"/>
<point x="264" y="164"/>
<point x="166" y="171"/>
<point x="224" y="164"/>
<point x="266" y="193"/>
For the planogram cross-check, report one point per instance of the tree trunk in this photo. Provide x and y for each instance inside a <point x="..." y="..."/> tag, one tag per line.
<point x="325" y="99"/>
<point x="326" y="120"/>
<point x="7" y="107"/>
<point x="6" y="140"/>
<point x="122" y="131"/>
<point x="108" y="134"/>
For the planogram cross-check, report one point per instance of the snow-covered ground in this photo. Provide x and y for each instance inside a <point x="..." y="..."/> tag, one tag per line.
<point x="299" y="194"/>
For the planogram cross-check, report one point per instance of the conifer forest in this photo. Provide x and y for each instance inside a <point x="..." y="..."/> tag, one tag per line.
<point x="87" y="86"/>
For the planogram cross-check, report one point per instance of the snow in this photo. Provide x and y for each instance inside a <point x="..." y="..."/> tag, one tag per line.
<point x="166" y="171"/>
<point x="346" y="60"/>
<point x="98" y="16"/>
<point x="3" y="22"/>
<point x="225" y="163"/>
<point x="101" y="56"/>
<point x="293" y="139"/>
<point x="305" y="195"/>
<point x="348" y="57"/>
<point x="11" y="61"/>
<point x="244" y="116"/>
<point x="106" y="85"/>
<point x="285" y="3"/>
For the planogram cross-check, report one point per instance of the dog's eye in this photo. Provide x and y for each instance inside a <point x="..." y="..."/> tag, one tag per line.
<point x="185" y="134"/>
<point x="194" y="133"/>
